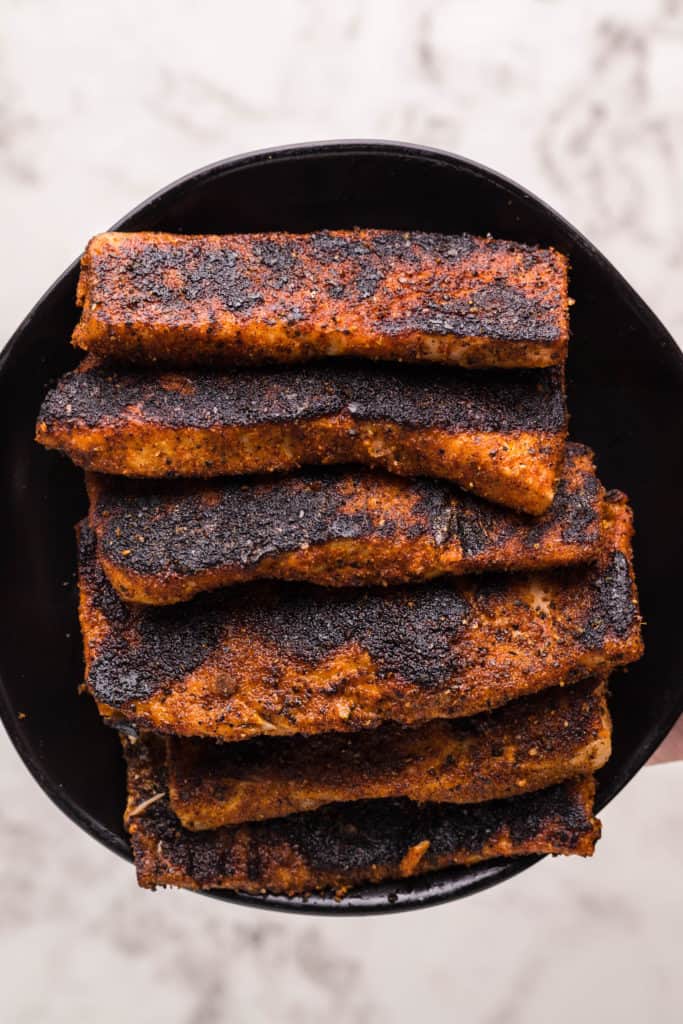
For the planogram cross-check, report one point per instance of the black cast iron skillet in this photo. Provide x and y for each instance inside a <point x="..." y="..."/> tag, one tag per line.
<point x="625" y="397"/>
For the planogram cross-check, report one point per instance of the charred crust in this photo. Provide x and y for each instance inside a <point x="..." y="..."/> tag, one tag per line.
<point x="174" y="529"/>
<point x="350" y="839"/>
<point x="407" y="634"/>
<point x="345" y="842"/>
<point x="433" y="639"/>
<point x="412" y="638"/>
<point x="559" y="808"/>
<point x="95" y="584"/>
<point x="184" y="528"/>
<point x="159" y="647"/>
<point x="206" y="273"/>
<point x="555" y="724"/>
<point x="140" y="653"/>
<point x="418" y="397"/>
<point x="613" y="610"/>
<point x="445" y="285"/>
<point x="578" y="509"/>
<point x="497" y="311"/>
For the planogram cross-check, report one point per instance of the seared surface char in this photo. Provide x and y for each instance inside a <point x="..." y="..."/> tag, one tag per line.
<point x="498" y="434"/>
<point x="161" y="543"/>
<point x="527" y="745"/>
<point x="284" y="659"/>
<point x="277" y="297"/>
<point x="344" y="844"/>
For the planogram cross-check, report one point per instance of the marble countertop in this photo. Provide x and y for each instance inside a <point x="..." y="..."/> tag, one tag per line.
<point x="583" y="103"/>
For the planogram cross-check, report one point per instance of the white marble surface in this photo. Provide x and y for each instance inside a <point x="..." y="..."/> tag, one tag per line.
<point x="99" y="106"/>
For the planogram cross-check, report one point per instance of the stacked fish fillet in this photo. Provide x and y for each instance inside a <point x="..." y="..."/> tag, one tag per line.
<point x="325" y="677"/>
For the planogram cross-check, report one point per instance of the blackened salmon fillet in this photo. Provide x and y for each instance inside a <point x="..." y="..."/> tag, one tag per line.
<point x="280" y="659"/>
<point x="343" y="845"/>
<point x="527" y="745"/>
<point x="499" y="434"/>
<point x="163" y="542"/>
<point x="277" y="297"/>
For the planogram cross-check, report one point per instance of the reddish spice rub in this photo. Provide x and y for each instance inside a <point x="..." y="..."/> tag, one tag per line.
<point x="527" y="745"/>
<point x="343" y="845"/>
<point x="160" y="543"/>
<point x="285" y="659"/>
<point x="277" y="297"/>
<point x="498" y="434"/>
